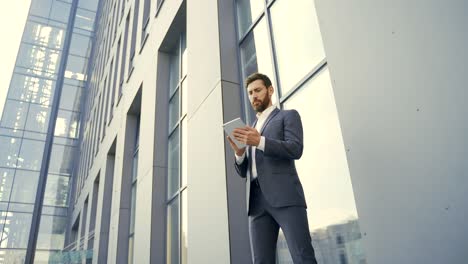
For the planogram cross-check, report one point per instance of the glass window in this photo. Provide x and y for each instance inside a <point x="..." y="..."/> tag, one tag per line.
<point x="9" y="151"/>
<point x="71" y="98"/>
<point x="76" y="65"/>
<point x="21" y="207"/>
<point x="324" y="159"/>
<point x="184" y="228"/>
<point x="174" y="74"/>
<point x="41" y="8"/>
<point x="60" y="11"/>
<point x="174" y="111"/>
<point x="16" y="230"/>
<point x="54" y="256"/>
<point x="56" y="192"/>
<point x="14" y="114"/>
<point x="24" y="186"/>
<point x="173" y="163"/>
<point x="61" y="159"/>
<point x="43" y="35"/>
<point x="296" y="24"/>
<point x="38" y="59"/>
<point x="136" y="10"/>
<point x="80" y="45"/>
<point x="13" y="256"/>
<point x="247" y="12"/>
<point x="51" y="232"/>
<point x="84" y="19"/>
<point x="124" y="49"/>
<point x="88" y="4"/>
<point x="184" y="149"/>
<point x="173" y="226"/>
<point x="38" y="118"/>
<point x="67" y="124"/>
<point x="31" y="89"/>
<point x="256" y="55"/>
<point x="145" y="18"/>
<point x="31" y="154"/>
<point x="6" y="181"/>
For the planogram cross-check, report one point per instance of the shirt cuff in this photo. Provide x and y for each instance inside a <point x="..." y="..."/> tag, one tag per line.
<point x="239" y="159"/>
<point x="261" y="145"/>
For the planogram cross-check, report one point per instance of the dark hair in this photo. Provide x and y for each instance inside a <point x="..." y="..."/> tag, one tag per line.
<point x="258" y="76"/>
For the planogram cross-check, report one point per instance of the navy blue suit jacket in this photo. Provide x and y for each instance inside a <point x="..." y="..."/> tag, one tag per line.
<point x="277" y="174"/>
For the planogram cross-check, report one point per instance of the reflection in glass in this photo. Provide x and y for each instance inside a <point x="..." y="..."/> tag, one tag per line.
<point x="80" y="45"/>
<point x="76" y="65"/>
<point x="88" y="4"/>
<point x="38" y="59"/>
<point x="173" y="164"/>
<point x="31" y="89"/>
<point x="84" y="19"/>
<point x="71" y="98"/>
<point x="16" y="229"/>
<point x="296" y="24"/>
<point x="9" y="151"/>
<point x="174" y="110"/>
<point x="184" y="61"/>
<point x="6" y="181"/>
<point x="60" y="159"/>
<point x="174" y="70"/>
<point x="56" y="192"/>
<point x="51" y="232"/>
<point x="184" y="228"/>
<point x="13" y="256"/>
<point x="255" y="54"/>
<point x="324" y="174"/>
<point x="43" y="35"/>
<point x="38" y="118"/>
<point x="173" y="232"/>
<point x="14" y="114"/>
<point x="248" y="11"/>
<point x="53" y="9"/>
<point x="60" y="11"/>
<point x="31" y="154"/>
<point x="24" y="187"/>
<point x="67" y="124"/>
<point x="184" y="149"/>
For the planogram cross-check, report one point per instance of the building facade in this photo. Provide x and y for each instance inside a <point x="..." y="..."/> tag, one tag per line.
<point x="149" y="176"/>
<point x="39" y="129"/>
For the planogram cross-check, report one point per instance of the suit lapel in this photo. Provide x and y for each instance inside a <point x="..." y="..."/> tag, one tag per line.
<point x="273" y="113"/>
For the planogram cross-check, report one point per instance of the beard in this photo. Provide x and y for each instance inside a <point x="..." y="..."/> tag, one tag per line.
<point x="263" y="104"/>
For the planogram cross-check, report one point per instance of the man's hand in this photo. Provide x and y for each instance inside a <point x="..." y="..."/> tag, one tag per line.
<point x="237" y="150"/>
<point x="247" y="135"/>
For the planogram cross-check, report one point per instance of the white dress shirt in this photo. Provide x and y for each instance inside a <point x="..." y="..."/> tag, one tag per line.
<point x="261" y="118"/>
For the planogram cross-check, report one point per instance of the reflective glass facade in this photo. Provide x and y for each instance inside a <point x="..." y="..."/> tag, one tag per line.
<point x="33" y="127"/>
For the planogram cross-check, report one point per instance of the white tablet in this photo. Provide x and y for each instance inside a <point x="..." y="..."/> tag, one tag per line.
<point x="229" y="128"/>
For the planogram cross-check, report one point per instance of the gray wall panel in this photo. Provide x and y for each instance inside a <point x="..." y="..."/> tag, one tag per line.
<point x="399" y="77"/>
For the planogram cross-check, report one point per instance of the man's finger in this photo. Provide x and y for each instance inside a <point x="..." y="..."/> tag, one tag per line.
<point x="233" y="145"/>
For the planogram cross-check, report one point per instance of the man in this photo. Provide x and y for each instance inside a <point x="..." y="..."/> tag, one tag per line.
<point x="275" y="197"/>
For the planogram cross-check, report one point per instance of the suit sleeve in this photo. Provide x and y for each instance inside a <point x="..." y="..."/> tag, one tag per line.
<point x="242" y="168"/>
<point x="292" y="145"/>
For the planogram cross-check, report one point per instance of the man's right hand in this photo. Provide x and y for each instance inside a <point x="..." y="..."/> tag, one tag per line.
<point x="237" y="150"/>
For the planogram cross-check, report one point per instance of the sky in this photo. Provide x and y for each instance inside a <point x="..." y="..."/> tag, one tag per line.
<point x="12" y="19"/>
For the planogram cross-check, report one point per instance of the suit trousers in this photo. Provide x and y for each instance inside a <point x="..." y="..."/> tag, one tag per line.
<point x="264" y="224"/>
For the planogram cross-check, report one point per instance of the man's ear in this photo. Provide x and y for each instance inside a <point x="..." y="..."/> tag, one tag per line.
<point x="270" y="90"/>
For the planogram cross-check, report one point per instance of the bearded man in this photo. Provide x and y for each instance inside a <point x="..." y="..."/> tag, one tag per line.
<point x="275" y="198"/>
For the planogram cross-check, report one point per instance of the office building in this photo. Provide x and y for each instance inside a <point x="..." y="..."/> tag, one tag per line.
<point x="150" y="176"/>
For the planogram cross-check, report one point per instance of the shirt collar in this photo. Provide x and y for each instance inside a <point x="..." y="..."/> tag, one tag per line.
<point x="266" y="112"/>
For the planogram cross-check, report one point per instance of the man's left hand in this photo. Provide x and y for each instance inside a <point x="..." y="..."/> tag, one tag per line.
<point x="247" y="135"/>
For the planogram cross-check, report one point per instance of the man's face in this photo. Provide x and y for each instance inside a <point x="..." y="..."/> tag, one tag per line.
<point x="259" y="95"/>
